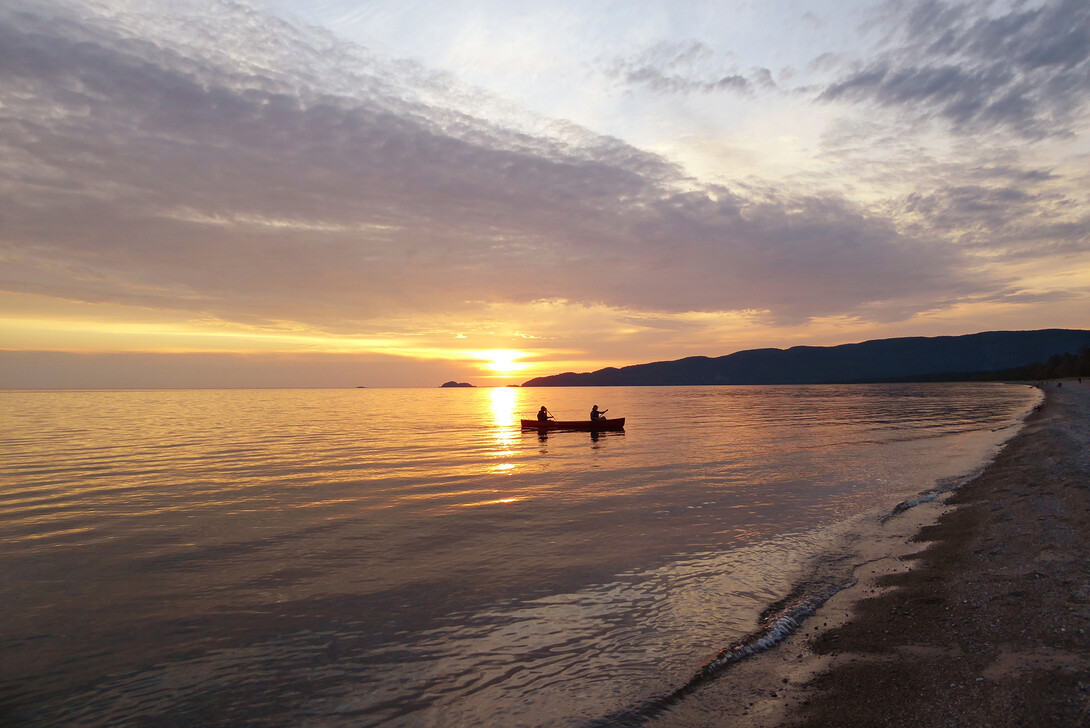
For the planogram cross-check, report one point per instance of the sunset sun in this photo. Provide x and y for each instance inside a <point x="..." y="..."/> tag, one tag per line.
<point x="503" y="361"/>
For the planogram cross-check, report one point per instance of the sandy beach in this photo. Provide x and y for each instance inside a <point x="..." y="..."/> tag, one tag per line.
<point x="970" y="610"/>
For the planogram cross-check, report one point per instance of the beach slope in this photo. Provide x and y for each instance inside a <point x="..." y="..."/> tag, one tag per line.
<point x="989" y="627"/>
<point x="978" y="616"/>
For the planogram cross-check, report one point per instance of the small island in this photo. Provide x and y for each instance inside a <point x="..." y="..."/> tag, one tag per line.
<point x="455" y="384"/>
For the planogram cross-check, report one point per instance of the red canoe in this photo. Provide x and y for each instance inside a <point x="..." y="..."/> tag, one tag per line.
<point x="581" y="425"/>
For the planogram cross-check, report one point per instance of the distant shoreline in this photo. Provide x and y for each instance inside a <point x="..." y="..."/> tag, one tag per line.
<point x="985" y="356"/>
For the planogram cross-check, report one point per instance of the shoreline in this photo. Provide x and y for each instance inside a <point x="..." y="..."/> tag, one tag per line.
<point x="969" y="610"/>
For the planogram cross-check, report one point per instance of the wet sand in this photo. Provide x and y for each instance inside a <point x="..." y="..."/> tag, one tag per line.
<point x="972" y="610"/>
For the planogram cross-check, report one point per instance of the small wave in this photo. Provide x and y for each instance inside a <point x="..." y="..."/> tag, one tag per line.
<point x="946" y="485"/>
<point x="777" y="622"/>
<point x="926" y="497"/>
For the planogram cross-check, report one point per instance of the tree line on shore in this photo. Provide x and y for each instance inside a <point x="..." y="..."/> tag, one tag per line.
<point x="1057" y="366"/>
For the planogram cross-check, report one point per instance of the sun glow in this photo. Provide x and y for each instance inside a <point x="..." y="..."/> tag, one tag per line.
<point x="503" y="361"/>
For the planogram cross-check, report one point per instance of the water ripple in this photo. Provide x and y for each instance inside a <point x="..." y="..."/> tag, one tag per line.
<point x="284" y="558"/>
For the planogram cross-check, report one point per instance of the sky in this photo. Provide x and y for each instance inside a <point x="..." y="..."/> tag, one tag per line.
<point x="231" y="193"/>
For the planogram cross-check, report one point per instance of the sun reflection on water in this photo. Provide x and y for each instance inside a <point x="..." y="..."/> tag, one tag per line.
<point x="504" y="401"/>
<point x="505" y="431"/>
<point x="492" y="502"/>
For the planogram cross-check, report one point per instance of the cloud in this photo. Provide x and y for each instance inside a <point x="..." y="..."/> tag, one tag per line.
<point x="987" y="209"/>
<point x="1024" y="71"/>
<point x="683" y="68"/>
<point x="210" y="159"/>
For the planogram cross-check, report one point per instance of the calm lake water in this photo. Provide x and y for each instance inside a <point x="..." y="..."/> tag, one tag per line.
<point x="411" y="558"/>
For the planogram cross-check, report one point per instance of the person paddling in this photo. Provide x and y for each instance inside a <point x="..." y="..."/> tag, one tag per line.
<point x="595" y="415"/>
<point x="544" y="414"/>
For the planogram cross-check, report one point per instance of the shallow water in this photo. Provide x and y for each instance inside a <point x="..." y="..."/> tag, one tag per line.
<point x="410" y="557"/>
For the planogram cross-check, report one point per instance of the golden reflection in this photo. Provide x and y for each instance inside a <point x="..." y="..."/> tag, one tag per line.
<point x="504" y="400"/>
<point x="505" y="428"/>
<point x="49" y="534"/>
<point x="493" y="502"/>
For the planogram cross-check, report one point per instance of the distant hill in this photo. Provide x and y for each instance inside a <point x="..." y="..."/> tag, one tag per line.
<point x="452" y="383"/>
<point x="882" y="360"/>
